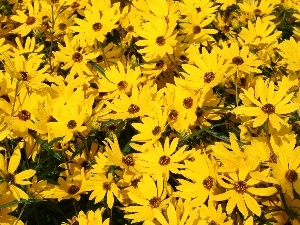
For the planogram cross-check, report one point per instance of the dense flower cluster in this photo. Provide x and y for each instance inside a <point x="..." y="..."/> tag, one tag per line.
<point x="150" y="112"/>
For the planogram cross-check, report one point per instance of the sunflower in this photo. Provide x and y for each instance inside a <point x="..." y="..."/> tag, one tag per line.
<point x="11" y="179"/>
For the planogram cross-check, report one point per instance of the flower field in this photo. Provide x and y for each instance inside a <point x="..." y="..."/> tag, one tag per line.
<point x="153" y="112"/>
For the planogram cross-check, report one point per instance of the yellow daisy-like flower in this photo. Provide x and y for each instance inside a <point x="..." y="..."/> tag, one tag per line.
<point x="201" y="174"/>
<point x="152" y="197"/>
<point x="160" y="160"/>
<point x="159" y="38"/>
<point x="72" y="187"/>
<point x="270" y="107"/>
<point x="103" y="186"/>
<point x="96" y="23"/>
<point x="290" y="51"/>
<point x="287" y="168"/>
<point x="10" y="178"/>
<point x="90" y="218"/>
<point x="242" y="191"/>
<point x="74" y="57"/>
<point x="29" y="21"/>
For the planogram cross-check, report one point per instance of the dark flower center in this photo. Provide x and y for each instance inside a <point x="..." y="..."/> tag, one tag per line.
<point x="24" y="75"/>
<point x="122" y="85"/>
<point x="10" y="178"/>
<point x="128" y="160"/>
<point x="134" y="182"/>
<point x="156" y="130"/>
<point x="268" y="108"/>
<point x="240" y="186"/>
<point x="160" y="40"/>
<point x="62" y="26"/>
<point x="188" y="103"/>
<point x="291" y="176"/>
<point x="237" y="60"/>
<point x="24" y="115"/>
<point x="196" y="29"/>
<point x="97" y="27"/>
<point x="30" y="20"/>
<point x="159" y="64"/>
<point x="77" y="57"/>
<point x="73" y="189"/>
<point x="106" y="186"/>
<point x="164" y="160"/>
<point x="133" y="109"/>
<point x="209" y="77"/>
<point x="130" y="28"/>
<point x="155" y="202"/>
<point x="208" y="182"/>
<point x="71" y="124"/>
<point x="74" y="5"/>
<point x="173" y="114"/>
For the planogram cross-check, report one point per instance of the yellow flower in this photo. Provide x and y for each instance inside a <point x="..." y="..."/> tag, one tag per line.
<point x="72" y="187"/>
<point x="5" y="218"/>
<point x="158" y="161"/>
<point x="30" y="21"/>
<point x="75" y="57"/>
<point x="287" y="168"/>
<point x="96" y="23"/>
<point x="159" y="38"/>
<point x="119" y="80"/>
<point x="259" y="35"/>
<point x="289" y="51"/>
<point x="201" y="179"/>
<point x="241" y="190"/>
<point x="212" y="214"/>
<point x="152" y="197"/>
<point x="270" y="107"/>
<point x="90" y="218"/>
<point x="10" y="178"/>
<point x="102" y="186"/>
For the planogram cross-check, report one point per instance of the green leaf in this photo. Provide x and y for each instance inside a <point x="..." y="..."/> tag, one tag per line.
<point x="16" y="202"/>
<point x="110" y="123"/>
<point x="99" y="68"/>
<point x="49" y="146"/>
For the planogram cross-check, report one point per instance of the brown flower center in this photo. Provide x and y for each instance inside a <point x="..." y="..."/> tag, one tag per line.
<point x="226" y="28"/>
<point x="159" y="65"/>
<point x="183" y="58"/>
<point x="62" y="26"/>
<point x="268" y="108"/>
<point x="237" y="60"/>
<point x="130" y="28"/>
<point x="24" y="75"/>
<point x="73" y="189"/>
<point x="97" y="27"/>
<point x="10" y="178"/>
<point x="24" y="115"/>
<point x="198" y="9"/>
<point x="134" y="182"/>
<point x="272" y="158"/>
<point x="188" y="103"/>
<point x="133" y="109"/>
<point x="155" y="202"/>
<point x="122" y="85"/>
<point x="106" y="186"/>
<point x="160" y="40"/>
<point x="30" y="20"/>
<point x="257" y="12"/>
<point x="164" y="160"/>
<point x="173" y="114"/>
<point x="77" y="57"/>
<point x="5" y="97"/>
<point x="128" y="160"/>
<point x="99" y="58"/>
<point x="75" y="223"/>
<point x="156" y="130"/>
<point x="291" y="176"/>
<point x="54" y="1"/>
<point x="71" y="124"/>
<point x="240" y="186"/>
<point x="209" y="77"/>
<point x="196" y="29"/>
<point x="208" y="182"/>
